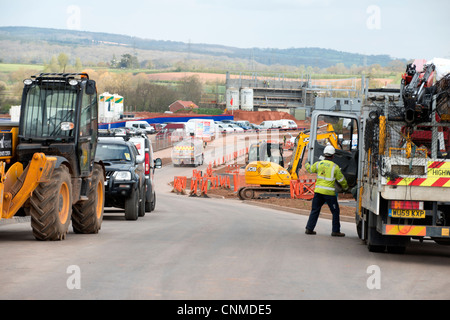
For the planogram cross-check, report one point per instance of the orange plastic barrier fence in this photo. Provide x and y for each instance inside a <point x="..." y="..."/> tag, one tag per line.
<point x="303" y="189"/>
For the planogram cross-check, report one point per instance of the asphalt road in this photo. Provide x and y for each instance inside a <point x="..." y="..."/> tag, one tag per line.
<point x="195" y="248"/>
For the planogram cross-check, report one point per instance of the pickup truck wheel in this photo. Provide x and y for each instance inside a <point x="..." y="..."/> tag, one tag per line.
<point x="87" y="215"/>
<point x="132" y="206"/>
<point x="51" y="207"/>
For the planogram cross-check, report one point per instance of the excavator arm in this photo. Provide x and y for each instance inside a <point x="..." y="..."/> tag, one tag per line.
<point x="301" y="143"/>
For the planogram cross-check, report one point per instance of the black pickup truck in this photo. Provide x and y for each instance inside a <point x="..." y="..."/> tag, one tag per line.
<point x="125" y="176"/>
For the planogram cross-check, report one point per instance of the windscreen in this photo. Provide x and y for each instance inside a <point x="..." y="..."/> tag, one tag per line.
<point x="47" y="107"/>
<point x="113" y="152"/>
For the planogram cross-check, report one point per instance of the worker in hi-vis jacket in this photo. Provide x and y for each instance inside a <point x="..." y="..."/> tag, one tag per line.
<point x="325" y="192"/>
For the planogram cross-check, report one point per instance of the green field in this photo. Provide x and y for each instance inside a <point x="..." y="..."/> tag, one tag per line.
<point x="8" y="67"/>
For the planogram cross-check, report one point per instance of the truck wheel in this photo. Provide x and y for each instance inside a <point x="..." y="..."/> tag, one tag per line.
<point x="87" y="215"/>
<point x="150" y="205"/>
<point x="153" y="203"/>
<point x="375" y="241"/>
<point x="142" y="201"/>
<point x="132" y="206"/>
<point x="51" y="207"/>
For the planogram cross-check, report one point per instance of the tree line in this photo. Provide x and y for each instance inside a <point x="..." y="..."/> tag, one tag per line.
<point x="140" y="94"/>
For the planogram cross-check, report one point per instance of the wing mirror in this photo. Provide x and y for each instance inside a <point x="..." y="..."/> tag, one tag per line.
<point x="158" y="163"/>
<point x="91" y="87"/>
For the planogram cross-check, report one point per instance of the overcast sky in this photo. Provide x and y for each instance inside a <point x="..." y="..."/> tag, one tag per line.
<point x="399" y="28"/>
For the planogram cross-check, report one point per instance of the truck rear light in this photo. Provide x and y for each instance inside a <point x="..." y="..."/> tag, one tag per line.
<point x="147" y="164"/>
<point x="408" y="205"/>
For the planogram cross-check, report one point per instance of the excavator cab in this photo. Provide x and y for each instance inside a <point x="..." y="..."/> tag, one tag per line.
<point x="346" y="136"/>
<point x="268" y="151"/>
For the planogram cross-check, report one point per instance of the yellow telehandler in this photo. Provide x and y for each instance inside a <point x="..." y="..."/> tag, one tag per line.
<point x="47" y="161"/>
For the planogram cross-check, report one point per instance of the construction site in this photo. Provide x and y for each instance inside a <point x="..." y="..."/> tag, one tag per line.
<point x="235" y="201"/>
<point x="297" y="97"/>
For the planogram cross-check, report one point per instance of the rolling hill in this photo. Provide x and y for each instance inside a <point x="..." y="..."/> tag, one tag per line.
<point x="38" y="45"/>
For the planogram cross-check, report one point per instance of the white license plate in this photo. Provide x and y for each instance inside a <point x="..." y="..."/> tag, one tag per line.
<point x="408" y="214"/>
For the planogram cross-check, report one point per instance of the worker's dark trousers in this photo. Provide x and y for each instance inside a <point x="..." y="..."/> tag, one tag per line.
<point x="318" y="201"/>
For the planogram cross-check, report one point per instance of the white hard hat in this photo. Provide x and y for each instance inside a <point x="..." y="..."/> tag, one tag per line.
<point x="329" y="151"/>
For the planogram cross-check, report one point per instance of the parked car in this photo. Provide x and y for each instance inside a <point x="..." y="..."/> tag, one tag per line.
<point x="158" y="127"/>
<point x="125" y="176"/>
<point x="224" y="128"/>
<point x="244" y="125"/>
<point x="127" y="130"/>
<point x="255" y="127"/>
<point x="236" y="128"/>
<point x="169" y="128"/>
<point x="142" y="125"/>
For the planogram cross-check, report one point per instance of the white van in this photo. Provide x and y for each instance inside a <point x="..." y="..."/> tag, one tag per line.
<point x="204" y="129"/>
<point x="288" y="124"/>
<point x="142" y="125"/>
<point x="270" y="125"/>
<point x="188" y="152"/>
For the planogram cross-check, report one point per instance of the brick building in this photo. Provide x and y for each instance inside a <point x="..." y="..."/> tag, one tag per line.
<point x="178" y="105"/>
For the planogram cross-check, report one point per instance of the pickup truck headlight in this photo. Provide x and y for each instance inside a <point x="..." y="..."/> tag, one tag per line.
<point x="122" y="176"/>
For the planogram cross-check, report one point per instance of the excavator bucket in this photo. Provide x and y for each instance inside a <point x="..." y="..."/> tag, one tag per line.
<point x="17" y="185"/>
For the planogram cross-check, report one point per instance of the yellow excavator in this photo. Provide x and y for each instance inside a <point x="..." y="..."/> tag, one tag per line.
<point x="269" y="175"/>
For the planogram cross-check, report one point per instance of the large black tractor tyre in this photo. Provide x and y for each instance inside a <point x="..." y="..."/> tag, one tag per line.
<point x="87" y="216"/>
<point x="51" y="207"/>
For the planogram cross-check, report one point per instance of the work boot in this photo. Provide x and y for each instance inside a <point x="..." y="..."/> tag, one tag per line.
<point x="337" y="234"/>
<point x="310" y="232"/>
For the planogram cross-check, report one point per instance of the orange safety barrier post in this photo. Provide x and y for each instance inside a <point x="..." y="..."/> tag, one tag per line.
<point x="196" y="174"/>
<point x="194" y="186"/>
<point x="225" y="182"/>
<point x="209" y="171"/>
<point x="204" y="188"/>
<point x="179" y="185"/>
<point x="236" y="182"/>
<point x="295" y="189"/>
